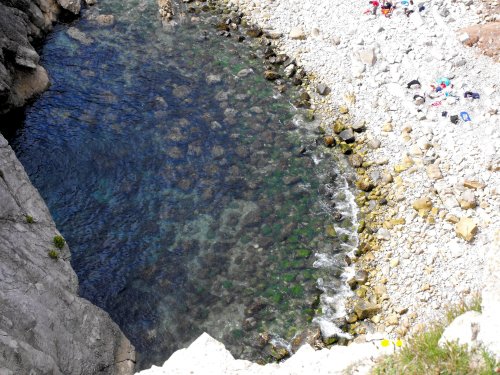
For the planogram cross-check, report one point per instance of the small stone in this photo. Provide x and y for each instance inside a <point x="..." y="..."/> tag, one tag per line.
<point x="367" y="56"/>
<point x="343" y="109"/>
<point x="467" y="200"/>
<point x="351" y="318"/>
<point x="392" y="319"/>
<point x="330" y="231"/>
<point x="374" y="143"/>
<point x="347" y="135"/>
<point x="422" y="204"/>
<point x="271" y="75"/>
<point x="105" y="19"/>
<point x="434" y="172"/>
<point x="355" y="160"/>
<point x="322" y="89"/>
<point x="297" y="33"/>
<point x="394" y="262"/>
<point x="364" y="184"/>
<point x="329" y="141"/>
<point x="254" y="32"/>
<point x="359" y="127"/>
<point x="466" y="228"/>
<point x="476" y="185"/>
<point x="361" y="276"/>
<point x="387" y="127"/>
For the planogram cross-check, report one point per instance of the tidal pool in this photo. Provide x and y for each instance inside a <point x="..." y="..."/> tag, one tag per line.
<point x="179" y="185"/>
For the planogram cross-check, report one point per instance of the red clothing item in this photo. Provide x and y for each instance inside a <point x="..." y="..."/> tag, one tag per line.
<point x="375" y="3"/>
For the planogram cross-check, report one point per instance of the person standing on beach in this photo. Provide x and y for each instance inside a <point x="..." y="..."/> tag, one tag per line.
<point x="375" y="5"/>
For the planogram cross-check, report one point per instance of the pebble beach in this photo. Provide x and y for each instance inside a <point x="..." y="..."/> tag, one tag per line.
<point x="434" y="210"/>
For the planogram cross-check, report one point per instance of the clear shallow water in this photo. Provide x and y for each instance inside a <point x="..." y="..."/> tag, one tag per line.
<point x="179" y="187"/>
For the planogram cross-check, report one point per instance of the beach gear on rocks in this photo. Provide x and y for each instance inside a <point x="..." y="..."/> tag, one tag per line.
<point x="444" y="113"/>
<point x="415" y="84"/>
<point x="418" y="99"/>
<point x="465" y="116"/>
<point x="444" y="81"/>
<point x="454" y="119"/>
<point x="470" y="94"/>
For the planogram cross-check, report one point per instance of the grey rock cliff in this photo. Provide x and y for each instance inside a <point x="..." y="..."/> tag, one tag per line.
<point x="23" y="22"/>
<point x="45" y="328"/>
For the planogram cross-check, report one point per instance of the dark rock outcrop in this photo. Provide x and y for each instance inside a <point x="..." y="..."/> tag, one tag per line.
<point x="45" y="328"/>
<point x="23" y="22"/>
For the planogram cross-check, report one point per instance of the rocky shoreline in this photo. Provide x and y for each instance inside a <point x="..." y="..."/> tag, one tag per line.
<point x="427" y="158"/>
<point x="425" y="187"/>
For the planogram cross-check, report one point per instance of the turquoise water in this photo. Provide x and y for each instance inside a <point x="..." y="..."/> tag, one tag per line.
<point x="179" y="185"/>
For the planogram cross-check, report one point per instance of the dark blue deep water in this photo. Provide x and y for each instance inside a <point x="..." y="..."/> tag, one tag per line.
<point x="179" y="186"/>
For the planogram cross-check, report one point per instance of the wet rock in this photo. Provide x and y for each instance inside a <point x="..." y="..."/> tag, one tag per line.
<point x="329" y="141"/>
<point x="73" y="6"/>
<point x="347" y="135"/>
<point x="364" y="184"/>
<point x="244" y="72"/>
<point x="79" y="36"/>
<point x="466" y="228"/>
<point x="364" y="309"/>
<point x="361" y="276"/>
<point x="330" y="231"/>
<point x="105" y="19"/>
<point x="311" y="336"/>
<point x="254" y="32"/>
<point x="249" y="323"/>
<point x="271" y="75"/>
<point x="263" y="339"/>
<point x="251" y="219"/>
<point x="279" y="351"/>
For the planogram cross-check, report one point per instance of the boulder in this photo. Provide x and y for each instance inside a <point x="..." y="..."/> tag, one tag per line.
<point x="462" y="331"/>
<point x="364" y="309"/>
<point x="73" y="6"/>
<point x="466" y="228"/>
<point x="27" y="57"/>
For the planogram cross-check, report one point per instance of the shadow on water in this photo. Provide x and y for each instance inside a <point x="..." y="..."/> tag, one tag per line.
<point x="178" y="185"/>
